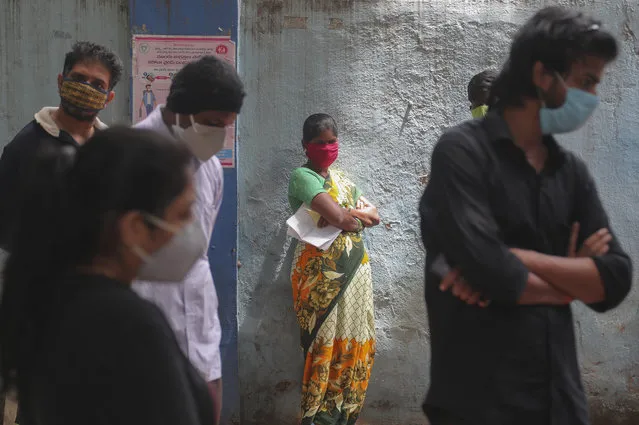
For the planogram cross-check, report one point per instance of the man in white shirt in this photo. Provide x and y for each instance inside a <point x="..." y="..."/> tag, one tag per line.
<point x="204" y="100"/>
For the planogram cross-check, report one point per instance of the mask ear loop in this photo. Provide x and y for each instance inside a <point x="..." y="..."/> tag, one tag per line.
<point x="193" y="122"/>
<point x="142" y="254"/>
<point x="563" y="82"/>
<point x="149" y="220"/>
<point x="540" y="94"/>
<point x="160" y="223"/>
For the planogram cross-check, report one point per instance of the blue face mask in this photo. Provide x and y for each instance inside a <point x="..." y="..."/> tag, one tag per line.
<point x="574" y="113"/>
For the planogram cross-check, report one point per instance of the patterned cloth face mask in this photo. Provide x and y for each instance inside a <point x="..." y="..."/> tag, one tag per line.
<point x="82" y="100"/>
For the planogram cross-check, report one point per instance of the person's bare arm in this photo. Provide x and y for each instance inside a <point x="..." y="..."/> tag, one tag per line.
<point x="596" y="244"/>
<point x="602" y="281"/>
<point x="578" y="277"/>
<point x="536" y="291"/>
<point x="335" y="215"/>
<point x="366" y="212"/>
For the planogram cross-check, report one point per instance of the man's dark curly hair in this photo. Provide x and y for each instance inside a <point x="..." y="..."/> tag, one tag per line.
<point x="207" y="84"/>
<point x="557" y="37"/>
<point x="85" y="51"/>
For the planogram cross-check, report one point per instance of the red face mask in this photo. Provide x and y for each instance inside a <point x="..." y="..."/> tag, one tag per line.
<point x="322" y="155"/>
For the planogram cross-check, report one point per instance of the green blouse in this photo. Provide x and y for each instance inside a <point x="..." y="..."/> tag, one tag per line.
<point x="304" y="185"/>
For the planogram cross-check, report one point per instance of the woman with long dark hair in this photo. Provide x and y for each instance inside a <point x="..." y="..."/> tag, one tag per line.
<point x="77" y="343"/>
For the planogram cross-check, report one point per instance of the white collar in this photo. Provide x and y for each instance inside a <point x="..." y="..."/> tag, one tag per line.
<point x="44" y="117"/>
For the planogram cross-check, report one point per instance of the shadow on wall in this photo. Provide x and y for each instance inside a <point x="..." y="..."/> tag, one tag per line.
<point x="270" y="334"/>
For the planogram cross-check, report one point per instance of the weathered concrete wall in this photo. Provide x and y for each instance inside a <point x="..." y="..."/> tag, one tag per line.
<point x="394" y="75"/>
<point x="35" y="35"/>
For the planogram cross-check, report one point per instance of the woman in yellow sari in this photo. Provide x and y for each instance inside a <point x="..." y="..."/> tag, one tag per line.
<point x="332" y="289"/>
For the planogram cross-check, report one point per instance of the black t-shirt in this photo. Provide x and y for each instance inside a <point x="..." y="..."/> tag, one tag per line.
<point x="16" y="164"/>
<point x="110" y="357"/>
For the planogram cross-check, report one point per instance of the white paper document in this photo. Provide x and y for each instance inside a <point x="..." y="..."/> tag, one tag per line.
<point x="303" y="226"/>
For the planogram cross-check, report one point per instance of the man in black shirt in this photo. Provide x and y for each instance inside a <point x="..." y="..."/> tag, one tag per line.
<point x="85" y="86"/>
<point x="500" y="206"/>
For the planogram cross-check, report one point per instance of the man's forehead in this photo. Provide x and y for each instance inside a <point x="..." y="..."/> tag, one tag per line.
<point x="92" y="69"/>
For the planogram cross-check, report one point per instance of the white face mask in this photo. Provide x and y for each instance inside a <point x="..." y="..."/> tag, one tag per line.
<point x="203" y="140"/>
<point x="172" y="262"/>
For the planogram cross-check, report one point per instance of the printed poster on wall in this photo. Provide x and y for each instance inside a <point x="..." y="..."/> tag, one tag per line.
<point x="157" y="58"/>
